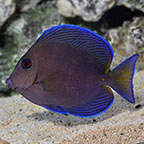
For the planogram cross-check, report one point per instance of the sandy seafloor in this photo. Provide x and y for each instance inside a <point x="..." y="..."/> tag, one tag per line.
<point x="22" y="122"/>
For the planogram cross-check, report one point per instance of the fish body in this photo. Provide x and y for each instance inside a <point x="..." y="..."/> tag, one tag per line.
<point x="67" y="71"/>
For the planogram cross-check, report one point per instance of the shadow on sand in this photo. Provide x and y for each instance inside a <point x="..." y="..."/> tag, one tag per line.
<point x="117" y="107"/>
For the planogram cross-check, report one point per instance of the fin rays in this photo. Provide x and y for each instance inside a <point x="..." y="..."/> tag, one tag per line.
<point x="100" y="103"/>
<point x="96" y="106"/>
<point x="122" y="77"/>
<point x="83" y="39"/>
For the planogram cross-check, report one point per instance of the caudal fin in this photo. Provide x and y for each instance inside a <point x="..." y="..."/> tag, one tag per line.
<point x="122" y="78"/>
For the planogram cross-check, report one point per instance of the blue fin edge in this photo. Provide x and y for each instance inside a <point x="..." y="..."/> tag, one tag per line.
<point x="133" y="74"/>
<point x="64" y="112"/>
<point x="79" y="115"/>
<point x="79" y="28"/>
<point x="97" y="113"/>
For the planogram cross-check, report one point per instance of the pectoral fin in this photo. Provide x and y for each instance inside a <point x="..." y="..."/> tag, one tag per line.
<point x="53" y="81"/>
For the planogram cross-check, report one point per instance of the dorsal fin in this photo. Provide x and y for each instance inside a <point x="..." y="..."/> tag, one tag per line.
<point x="83" y="39"/>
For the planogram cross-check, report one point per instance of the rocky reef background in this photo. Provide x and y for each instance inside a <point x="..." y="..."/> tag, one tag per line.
<point x="121" y="22"/>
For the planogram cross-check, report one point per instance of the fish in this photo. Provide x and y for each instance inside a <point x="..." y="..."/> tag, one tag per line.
<point x="67" y="70"/>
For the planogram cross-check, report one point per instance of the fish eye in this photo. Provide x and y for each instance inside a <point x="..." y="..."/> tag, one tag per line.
<point x="26" y="64"/>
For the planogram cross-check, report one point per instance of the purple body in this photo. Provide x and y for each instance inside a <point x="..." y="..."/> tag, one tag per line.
<point x="67" y="71"/>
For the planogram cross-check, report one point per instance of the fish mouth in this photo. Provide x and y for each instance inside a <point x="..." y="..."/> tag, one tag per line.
<point x="10" y="84"/>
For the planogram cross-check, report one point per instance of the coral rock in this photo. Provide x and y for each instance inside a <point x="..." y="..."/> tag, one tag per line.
<point x="25" y="5"/>
<point x="89" y="10"/>
<point x="7" y="8"/>
<point x="128" y="40"/>
<point x="133" y="4"/>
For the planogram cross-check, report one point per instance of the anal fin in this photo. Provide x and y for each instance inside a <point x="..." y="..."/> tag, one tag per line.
<point x="99" y="104"/>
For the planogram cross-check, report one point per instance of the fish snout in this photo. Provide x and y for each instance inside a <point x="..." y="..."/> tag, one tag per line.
<point x="10" y="84"/>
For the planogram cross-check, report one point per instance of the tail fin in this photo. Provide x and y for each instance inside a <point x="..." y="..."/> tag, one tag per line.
<point x="122" y="78"/>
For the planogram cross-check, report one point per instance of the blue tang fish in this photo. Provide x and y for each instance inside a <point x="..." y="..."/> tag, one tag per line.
<point x="67" y="71"/>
